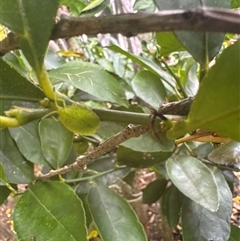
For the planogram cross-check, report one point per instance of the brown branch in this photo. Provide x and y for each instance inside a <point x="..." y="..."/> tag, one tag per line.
<point x="105" y="147"/>
<point x="197" y="20"/>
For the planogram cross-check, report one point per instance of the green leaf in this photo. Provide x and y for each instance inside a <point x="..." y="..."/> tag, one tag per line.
<point x="235" y="3"/>
<point x="32" y="20"/>
<point x="227" y="154"/>
<point x="149" y="88"/>
<point x="16" y="168"/>
<point x="194" y="180"/>
<point x="168" y="43"/>
<point x="144" y="5"/>
<point x="113" y="216"/>
<point x="79" y="119"/>
<point x="28" y="142"/>
<point x="50" y="211"/>
<point x="4" y="193"/>
<point x="198" y="221"/>
<point x="91" y="79"/>
<point x="14" y="87"/>
<point x="216" y="107"/>
<point x="75" y="6"/>
<point x="144" y="151"/>
<point x="154" y="191"/>
<point x="235" y="233"/>
<point x="197" y="44"/>
<point x="171" y="204"/>
<point x="94" y="7"/>
<point x="149" y="65"/>
<point x="3" y="178"/>
<point x="56" y="141"/>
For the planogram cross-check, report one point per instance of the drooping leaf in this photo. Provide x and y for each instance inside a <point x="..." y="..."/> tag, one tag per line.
<point x="28" y="142"/>
<point x="227" y="154"/>
<point x="197" y="44"/>
<point x="149" y="88"/>
<point x="195" y="181"/>
<point x="113" y="216"/>
<point x="154" y="191"/>
<point x="149" y="65"/>
<point x="79" y="119"/>
<point x="32" y="20"/>
<point x="198" y="221"/>
<point x="50" y="211"/>
<point x="16" y="168"/>
<point x="144" y="151"/>
<point x="168" y="43"/>
<point x="14" y="87"/>
<point x="216" y="106"/>
<point x="56" y="141"/>
<point x="91" y="79"/>
<point x="171" y="204"/>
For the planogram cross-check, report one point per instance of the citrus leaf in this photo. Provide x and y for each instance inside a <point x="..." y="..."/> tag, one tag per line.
<point x="28" y="142"/>
<point x="227" y="154"/>
<point x="168" y="43"/>
<point x="79" y="119"/>
<point x="91" y="79"/>
<point x="32" y="20"/>
<point x="15" y="87"/>
<point x="4" y="193"/>
<point x="149" y="88"/>
<point x="194" y="180"/>
<point x="3" y="178"/>
<point x="171" y="204"/>
<point x="197" y="44"/>
<point x="113" y="216"/>
<point x="216" y="106"/>
<point x="50" y="211"/>
<point x="16" y="168"/>
<point x="148" y="64"/>
<point x="144" y="151"/>
<point x="197" y="221"/>
<point x="56" y="141"/>
<point x="154" y="191"/>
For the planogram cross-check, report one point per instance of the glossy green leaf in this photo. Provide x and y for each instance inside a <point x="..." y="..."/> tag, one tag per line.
<point x="200" y="224"/>
<point x="144" y="151"/>
<point x="32" y="20"/>
<point x="194" y="180"/>
<point x="91" y="79"/>
<point x="28" y="142"/>
<point x="79" y="119"/>
<point x="149" y="88"/>
<point x="168" y="43"/>
<point x="56" y="141"/>
<point x="197" y="44"/>
<point x="15" y="87"/>
<point x="113" y="216"/>
<point x="50" y="211"/>
<point x="171" y="204"/>
<point x="216" y="107"/>
<point x="147" y="64"/>
<point x="16" y="168"/>
<point x="154" y="191"/>
<point x="227" y="154"/>
<point x="4" y="193"/>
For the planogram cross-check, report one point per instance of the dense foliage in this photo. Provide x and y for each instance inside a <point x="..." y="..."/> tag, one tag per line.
<point x="57" y="107"/>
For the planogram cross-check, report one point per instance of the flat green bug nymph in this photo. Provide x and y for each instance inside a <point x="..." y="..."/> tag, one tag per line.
<point x="79" y="119"/>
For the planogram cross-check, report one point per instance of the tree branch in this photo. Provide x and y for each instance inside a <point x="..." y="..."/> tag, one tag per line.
<point x="198" y="20"/>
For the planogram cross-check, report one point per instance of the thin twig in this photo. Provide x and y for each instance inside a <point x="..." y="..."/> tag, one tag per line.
<point x="105" y="147"/>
